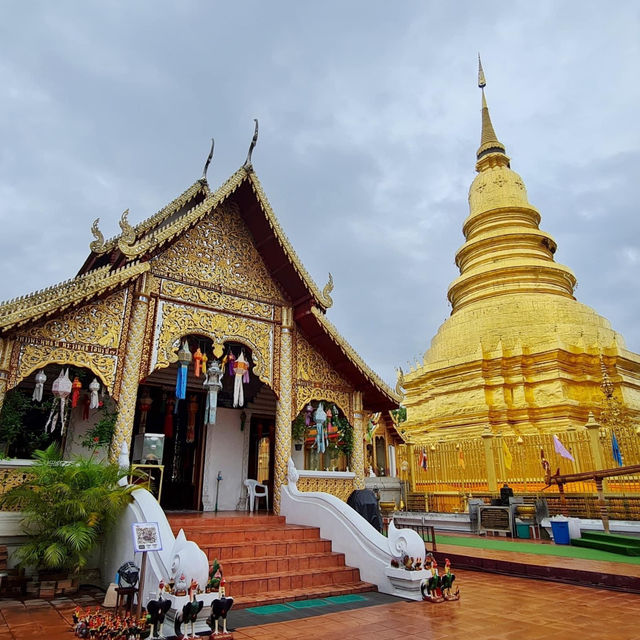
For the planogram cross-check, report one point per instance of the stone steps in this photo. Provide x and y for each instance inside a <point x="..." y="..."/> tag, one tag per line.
<point x="266" y="561"/>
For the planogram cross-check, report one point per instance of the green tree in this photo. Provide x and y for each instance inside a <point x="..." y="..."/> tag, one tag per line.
<point x="22" y="424"/>
<point x="67" y="507"/>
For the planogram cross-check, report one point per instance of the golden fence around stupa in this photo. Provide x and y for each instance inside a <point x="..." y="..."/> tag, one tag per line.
<point x="457" y="470"/>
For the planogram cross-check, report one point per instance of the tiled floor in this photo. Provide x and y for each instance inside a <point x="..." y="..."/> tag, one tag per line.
<point x="491" y="607"/>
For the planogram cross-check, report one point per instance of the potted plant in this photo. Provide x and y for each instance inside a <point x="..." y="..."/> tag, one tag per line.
<point x="67" y="506"/>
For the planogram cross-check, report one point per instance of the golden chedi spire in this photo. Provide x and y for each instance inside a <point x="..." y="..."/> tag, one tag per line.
<point x="518" y="351"/>
<point x="489" y="142"/>
<point x="505" y="251"/>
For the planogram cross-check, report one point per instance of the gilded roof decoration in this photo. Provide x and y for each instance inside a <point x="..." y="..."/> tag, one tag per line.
<point x="97" y="245"/>
<point x="18" y="311"/>
<point x="353" y="356"/>
<point x="96" y="323"/>
<point x="158" y="218"/>
<point x="326" y="297"/>
<point x="312" y="367"/>
<point x="219" y="251"/>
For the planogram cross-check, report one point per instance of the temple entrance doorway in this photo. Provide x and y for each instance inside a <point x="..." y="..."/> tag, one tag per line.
<point x="202" y="466"/>
<point x="262" y="442"/>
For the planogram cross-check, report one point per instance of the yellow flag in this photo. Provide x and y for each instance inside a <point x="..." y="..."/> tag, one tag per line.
<point x="508" y="458"/>
<point x="461" y="462"/>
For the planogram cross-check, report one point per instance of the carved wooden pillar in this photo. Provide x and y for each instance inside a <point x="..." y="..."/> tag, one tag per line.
<point x="283" y="408"/>
<point x="357" y="460"/>
<point x="130" y="375"/>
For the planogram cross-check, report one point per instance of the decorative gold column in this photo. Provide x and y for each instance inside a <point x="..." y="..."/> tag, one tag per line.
<point x="130" y="374"/>
<point x="5" y="354"/>
<point x="357" y="457"/>
<point x="283" y="408"/>
<point x="487" y="439"/>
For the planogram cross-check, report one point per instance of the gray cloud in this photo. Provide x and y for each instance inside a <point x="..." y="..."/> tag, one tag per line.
<point x="369" y="119"/>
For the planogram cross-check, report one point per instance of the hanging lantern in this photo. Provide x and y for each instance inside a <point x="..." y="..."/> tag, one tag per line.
<point x="76" y="386"/>
<point x="229" y="360"/>
<point x="61" y="389"/>
<point x="204" y="364"/>
<point x="212" y="385"/>
<point x="41" y="378"/>
<point x="94" y="388"/>
<point x="308" y="415"/>
<point x="320" y="418"/>
<point x="241" y="376"/>
<point x="184" y="358"/>
<point x="197" y="362"/>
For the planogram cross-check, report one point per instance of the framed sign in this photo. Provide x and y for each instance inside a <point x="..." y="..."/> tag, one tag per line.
<point x="146" y="536"/>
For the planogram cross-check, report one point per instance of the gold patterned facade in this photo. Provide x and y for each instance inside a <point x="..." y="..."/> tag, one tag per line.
<point x="195" y="268"/>
<point x="519" y="354"/>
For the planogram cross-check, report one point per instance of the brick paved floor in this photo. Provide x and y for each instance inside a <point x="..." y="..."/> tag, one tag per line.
<point x="491" y="607"/>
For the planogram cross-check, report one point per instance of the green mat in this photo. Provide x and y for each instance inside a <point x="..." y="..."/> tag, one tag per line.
<point x="303" y="604"/>
<point x="269" y="609"/>
<point x="565" y="551"/>
<point x="351" y="597"/>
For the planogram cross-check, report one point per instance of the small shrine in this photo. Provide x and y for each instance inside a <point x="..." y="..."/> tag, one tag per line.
<point x="198" y="339"/>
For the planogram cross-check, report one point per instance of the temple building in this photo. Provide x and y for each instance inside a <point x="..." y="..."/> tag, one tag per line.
<point x="201" y="336"/>
<point x="519" y="354"/>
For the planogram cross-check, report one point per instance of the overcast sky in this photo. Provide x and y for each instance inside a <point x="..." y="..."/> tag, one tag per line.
<point x="369" y="121"/>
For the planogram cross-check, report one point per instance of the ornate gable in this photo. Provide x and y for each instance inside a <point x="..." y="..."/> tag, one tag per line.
<point x="316" y="379"/>
<point x="219" y="253"/>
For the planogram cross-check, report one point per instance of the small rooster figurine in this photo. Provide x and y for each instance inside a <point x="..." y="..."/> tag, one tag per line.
<point x="431" y="586"/>
<point x="447" y="582"/>
<point x="156" y="612"/>
<point x="189" y="612"/>
<point x="219" y="609"/>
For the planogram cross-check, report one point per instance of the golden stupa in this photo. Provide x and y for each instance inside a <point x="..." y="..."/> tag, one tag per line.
<point x="519" y="354"/>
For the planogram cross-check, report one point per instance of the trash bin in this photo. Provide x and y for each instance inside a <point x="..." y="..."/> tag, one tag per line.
<point x="522" y="530"/>
<point x="560" y="530"/>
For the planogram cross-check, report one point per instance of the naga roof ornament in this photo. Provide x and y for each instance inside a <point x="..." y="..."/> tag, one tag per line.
<point x="326" y="298"/>
<point x="127" y="240"/>
<point x="97" y="245"/>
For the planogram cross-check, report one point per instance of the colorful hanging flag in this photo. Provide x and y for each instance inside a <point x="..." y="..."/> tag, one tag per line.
<point x="615" y="449"/>
<point x="461" y="462"/>
<point x="560" y="448"/>
<point x="508" y="458"/>
<point x="423" y="459"/>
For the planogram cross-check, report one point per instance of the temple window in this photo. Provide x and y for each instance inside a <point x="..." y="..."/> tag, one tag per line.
<point x="326" y="434"/>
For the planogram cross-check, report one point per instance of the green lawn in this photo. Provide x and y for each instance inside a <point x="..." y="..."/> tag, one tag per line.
<point x="505" y="544"/>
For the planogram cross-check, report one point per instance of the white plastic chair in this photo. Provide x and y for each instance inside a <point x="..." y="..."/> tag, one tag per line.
<point x="256" y="491"/>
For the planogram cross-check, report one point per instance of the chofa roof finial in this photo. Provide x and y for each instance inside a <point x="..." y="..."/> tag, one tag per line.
<point x="208" y="162"/>
<point x="247" y="163"/>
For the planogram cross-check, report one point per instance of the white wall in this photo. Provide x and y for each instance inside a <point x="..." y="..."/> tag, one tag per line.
<point x="226" y="451"/>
